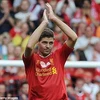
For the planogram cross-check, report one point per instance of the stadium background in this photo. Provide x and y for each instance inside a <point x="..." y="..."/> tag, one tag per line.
<point x="19" y="18"/>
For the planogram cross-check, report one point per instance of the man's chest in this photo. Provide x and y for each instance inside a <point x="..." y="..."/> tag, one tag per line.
<point x="45" y="67"/>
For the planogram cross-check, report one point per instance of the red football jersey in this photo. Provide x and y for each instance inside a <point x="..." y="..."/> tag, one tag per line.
<point x="45" y="75"/>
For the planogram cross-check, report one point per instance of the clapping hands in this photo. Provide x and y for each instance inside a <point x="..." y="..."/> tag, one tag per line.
<point x="48" y="13"/>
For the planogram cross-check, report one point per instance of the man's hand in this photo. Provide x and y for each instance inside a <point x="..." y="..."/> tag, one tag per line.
<point x="6" y="12"/>
<point x="50" y="12"/>
<point x="45" y="18"/>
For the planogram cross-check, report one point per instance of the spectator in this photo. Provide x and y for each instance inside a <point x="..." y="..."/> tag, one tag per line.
<point x="6" y="17"/>
<point x="17" y="53"/>
<point x="86" y="10"/>
<point x="71" y="8"/>
<point x="98" y="31"/>
<point x="16" y="29"/>
<point x="5" y="41"/>
<point x="23" y="95"/>
<point x="84" y="48"/>
<point x="97" y="87"/>
<point x="81" y="28"/>
<point x="71" y="93"/>
<point x="21" y="39"/>
<point x="96" y="52"/>
<point x="95" y="9"/>
<point x="89" y="87"/>
<point x="23" y="13"/>
<point x="10" y="48"/>
<point x="79" y="92"/>
<point x="59" y="38"/>
<point x="2" y="90"/>
<point x="16" y="4"/>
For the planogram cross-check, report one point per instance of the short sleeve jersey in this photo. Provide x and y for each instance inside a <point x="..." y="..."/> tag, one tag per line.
<point x="45" y="75"/>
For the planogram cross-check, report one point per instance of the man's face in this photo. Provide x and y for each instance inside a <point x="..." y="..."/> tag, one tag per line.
<point x="2" y="89"/>
<point x="89" y="32"/>
<point x="45" y="46"/>
<point x="25" y="88"/>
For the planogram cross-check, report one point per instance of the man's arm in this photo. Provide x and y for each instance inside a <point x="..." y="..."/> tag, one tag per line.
<point x="72" y="37"/>
<point x="35" y="35"/>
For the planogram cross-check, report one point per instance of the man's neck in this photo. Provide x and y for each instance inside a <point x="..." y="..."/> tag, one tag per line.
<point x="43" y="56"/>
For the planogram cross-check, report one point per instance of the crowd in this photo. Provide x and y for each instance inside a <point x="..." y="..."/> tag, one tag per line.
<point x="19" y="18"/>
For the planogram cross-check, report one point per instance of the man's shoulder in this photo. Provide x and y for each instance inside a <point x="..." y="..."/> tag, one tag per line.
<point x="30" y="57"/>
<point x="64" y="47"/>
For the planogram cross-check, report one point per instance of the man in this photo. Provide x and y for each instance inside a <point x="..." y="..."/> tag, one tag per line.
<point x="85" y="49"/>
<point x="45" y="69"/>
<point x="23" y="94"/>
<point x="2" y="90"/>
<point x="6" y="17"/>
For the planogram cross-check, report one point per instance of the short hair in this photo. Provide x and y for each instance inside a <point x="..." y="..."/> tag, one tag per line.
<point x="21" y="85"/>
<point x="46" y="33"/>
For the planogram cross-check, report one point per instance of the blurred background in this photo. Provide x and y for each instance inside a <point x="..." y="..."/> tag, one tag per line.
<point x="19" y="18"/>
